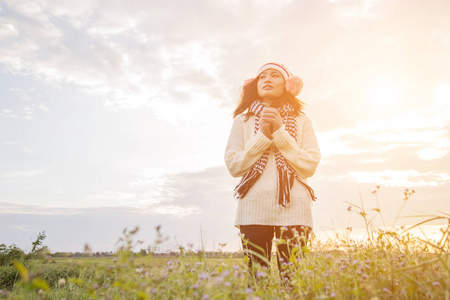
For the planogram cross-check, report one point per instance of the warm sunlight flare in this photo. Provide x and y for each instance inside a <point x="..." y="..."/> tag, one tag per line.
<point x="384" y="92"/>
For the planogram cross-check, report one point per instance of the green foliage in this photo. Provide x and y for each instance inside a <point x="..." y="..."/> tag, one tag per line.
<point x="8" y="277"/>
<point x="38" y="242"/>
<point x="10" y="254"/>
<point x="389" y="264"/>
<point x="38" y="250"/>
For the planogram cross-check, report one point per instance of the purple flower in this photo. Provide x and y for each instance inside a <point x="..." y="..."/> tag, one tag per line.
<point x="436" y="283"/>
<point x="260" y="274"/>
<point x="219" y="280"/>
<point x="332" y="295"/>
<point x="248" y="290"/>
<point x="203" y="276"/>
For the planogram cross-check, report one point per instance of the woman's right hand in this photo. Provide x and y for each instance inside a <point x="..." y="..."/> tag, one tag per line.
<point x="266" y="128"/>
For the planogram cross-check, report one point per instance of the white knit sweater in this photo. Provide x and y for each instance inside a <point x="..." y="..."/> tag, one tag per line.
<point x="260" y="205"/>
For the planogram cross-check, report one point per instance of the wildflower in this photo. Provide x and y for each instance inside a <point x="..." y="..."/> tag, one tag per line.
<point x="248" y="290"/>
<point x="332" y="295"/>
<point x="227" y="283"/>
<point x="349" y="208"/>
<point x="387" y="290"/>
<point x="205" y="296"/>
<point x="219" y="280"/>
<point x="260" y="274"/>
<point x="195" y="286"/>
<point x="327" y="274"/>
<point x="203" y="276"/>
<point x="436" y="283"/>
<point x="62" y="282"/>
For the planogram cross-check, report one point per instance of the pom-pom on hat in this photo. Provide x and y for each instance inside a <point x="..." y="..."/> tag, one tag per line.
<point x="294" y="84"/>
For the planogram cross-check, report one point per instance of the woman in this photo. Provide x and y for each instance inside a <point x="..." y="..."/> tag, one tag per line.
<point x="272" y="145"/>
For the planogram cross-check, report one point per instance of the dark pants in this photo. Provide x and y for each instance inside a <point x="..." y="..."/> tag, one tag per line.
<point x="258" y="239"/>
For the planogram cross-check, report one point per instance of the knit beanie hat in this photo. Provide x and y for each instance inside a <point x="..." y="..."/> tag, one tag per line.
<point x="294" y="84"/>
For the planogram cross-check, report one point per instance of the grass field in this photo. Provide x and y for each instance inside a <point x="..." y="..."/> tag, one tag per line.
<point x="387" y="264"/>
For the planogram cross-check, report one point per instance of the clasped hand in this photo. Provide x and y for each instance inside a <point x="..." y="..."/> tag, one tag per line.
<point x="270" y="121"/>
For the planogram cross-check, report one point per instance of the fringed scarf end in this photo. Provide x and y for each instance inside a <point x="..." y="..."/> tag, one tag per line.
<point x="246" y="183"/>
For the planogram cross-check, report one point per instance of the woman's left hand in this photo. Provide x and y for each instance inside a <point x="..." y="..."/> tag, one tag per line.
<point x="273" y="116"/>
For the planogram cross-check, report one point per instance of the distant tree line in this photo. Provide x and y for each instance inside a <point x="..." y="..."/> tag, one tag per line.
<point x="9" y="254"/>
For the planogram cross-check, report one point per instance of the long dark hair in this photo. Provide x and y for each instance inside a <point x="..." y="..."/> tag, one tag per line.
<point x="249" y="93"/>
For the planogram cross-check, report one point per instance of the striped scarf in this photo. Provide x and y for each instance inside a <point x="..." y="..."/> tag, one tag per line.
<point x="286" y="173"/>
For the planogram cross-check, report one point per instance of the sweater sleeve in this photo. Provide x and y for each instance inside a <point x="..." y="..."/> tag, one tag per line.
<point x="304" y="154"/>
<point x="241" y="154"/>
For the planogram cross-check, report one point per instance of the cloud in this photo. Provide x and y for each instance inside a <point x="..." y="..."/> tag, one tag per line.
<point x="204" y="210"/>
<point x="425" y="132"/>
<point x="7" y="31"/>
<point x="27" y="173"/>
<point x="401" y="178"/>
<point x="27" y="104"/>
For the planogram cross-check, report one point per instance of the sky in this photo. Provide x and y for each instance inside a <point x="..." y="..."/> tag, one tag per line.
<point x="115" y="114"/>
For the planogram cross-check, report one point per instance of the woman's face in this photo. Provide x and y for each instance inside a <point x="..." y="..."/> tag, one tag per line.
<point x="270" y="85"/>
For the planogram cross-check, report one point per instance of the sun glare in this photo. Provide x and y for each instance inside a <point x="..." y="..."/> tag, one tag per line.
<point x="442" y="99"/>
<point x="383" y="91"/>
